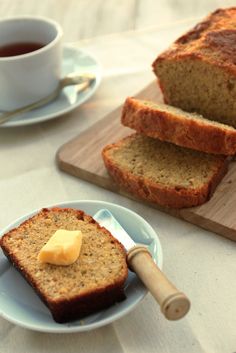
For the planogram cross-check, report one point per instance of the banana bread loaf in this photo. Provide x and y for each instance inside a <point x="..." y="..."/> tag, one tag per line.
<point x="93" y="282"/>
<point x="172" y="124"/>
<point x="198" y="72"/>
<point x="163" y="173"/>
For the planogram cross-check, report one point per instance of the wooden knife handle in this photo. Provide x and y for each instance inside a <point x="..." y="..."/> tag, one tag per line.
<point x="174" y="304"/>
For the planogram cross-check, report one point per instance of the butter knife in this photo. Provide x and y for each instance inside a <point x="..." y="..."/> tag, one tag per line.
<point x="173" y="303"/>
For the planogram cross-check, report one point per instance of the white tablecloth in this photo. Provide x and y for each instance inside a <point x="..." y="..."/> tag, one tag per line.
<point x="200" y="263"/>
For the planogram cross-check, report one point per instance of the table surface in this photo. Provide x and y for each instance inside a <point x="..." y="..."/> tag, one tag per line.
<point x="200" y="263"/>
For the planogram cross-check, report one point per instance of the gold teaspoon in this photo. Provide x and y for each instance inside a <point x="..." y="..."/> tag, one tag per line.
<point x="83" y="82"/>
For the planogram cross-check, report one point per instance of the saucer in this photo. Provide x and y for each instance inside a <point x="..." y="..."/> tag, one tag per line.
<point x="74" y="60"/>
<point x="20" y="305"/>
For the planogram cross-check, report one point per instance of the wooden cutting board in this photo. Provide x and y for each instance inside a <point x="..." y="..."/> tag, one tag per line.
<point x="81" y="157"/>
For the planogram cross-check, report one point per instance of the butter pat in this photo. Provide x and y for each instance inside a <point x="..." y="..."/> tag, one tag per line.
<point x="63" y="248"/>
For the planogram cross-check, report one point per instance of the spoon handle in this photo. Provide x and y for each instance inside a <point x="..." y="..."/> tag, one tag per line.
<point x="11" y="114"/>
<point x="83" y="82"/>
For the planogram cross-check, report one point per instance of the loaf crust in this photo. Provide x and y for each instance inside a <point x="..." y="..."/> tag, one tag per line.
<point x="148" y="190"/>
<point x="172" y="126"/>
<point x="70" y="305"/>
<point x="212" y="40"/>
<point x="198" y="71"/>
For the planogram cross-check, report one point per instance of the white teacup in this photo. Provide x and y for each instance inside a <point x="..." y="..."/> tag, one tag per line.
<point x="26" y="78"/>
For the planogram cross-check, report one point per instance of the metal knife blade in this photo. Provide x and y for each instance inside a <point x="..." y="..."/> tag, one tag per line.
<point x="108" y="221"/>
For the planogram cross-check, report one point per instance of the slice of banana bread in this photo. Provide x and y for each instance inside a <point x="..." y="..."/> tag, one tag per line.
<point x="95" y="281"/>
<point x="162" y="172"/>
<point x="179" y="127"/>
<point x="198" y="72"/>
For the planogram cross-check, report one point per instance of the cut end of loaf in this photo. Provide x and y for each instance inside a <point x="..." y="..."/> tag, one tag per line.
<point x="198" y="72"/>
<point x="196" y="86"/>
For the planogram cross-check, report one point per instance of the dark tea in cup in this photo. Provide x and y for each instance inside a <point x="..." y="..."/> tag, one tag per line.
<point x="14" y="49"/>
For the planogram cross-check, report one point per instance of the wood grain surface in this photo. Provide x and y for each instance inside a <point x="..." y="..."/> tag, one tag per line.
<point x="81" y="157"/>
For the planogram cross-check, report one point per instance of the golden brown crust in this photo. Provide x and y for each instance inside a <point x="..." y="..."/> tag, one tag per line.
<point x="167" y="126"/>
<point x="212" y="41"/>
<point x="76" y="306"/>
<point x="148" y="190"/>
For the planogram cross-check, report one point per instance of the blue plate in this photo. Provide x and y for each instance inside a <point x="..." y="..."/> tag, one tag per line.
<point x="73" y="60"/>
<point x="20" y="305"/>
